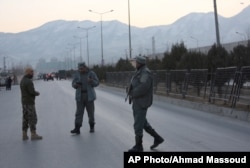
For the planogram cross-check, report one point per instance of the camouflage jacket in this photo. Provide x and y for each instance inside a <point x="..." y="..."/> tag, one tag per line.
<point x="28" y="92"/>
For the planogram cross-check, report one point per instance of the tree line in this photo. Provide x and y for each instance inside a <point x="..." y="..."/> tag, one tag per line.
<point x="179" y="57"/>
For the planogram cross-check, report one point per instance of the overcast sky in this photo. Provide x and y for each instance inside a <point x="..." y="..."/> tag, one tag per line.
<point x="22" y="15"/>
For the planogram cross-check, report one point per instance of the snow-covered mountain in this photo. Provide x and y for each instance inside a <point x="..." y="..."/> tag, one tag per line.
<point x="54" y="39"/>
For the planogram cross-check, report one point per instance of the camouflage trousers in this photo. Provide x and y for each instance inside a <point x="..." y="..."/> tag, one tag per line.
<point x="29" y="118"/>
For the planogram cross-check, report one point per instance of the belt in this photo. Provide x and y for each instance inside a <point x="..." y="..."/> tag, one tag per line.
<point x="84" y="91"/>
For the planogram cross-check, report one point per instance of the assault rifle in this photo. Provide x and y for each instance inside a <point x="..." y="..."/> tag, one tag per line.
<point x="128" y="97"/>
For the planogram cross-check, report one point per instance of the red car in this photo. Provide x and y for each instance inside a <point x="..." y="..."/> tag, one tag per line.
<point x="49" y="77"/>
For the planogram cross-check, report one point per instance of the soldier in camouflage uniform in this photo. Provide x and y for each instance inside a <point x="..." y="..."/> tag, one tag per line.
<point x="28" y="95"/>
<point x="141" y="93"/>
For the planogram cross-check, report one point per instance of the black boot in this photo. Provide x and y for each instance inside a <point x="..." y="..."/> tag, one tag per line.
<point x="157" y="138"/>
<point x="138" y="145"/>
<point x="76" y="130"/>
<point x="92" y="128"/>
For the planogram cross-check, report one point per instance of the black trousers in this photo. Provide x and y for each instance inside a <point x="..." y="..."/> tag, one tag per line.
<point x="81" y="106"/>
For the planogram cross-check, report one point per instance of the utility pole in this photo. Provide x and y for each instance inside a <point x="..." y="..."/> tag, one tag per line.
<point x="102" y="63"/>
<point x="129" y="31"/>
<point x="153" y="47"/>
<point x="4" y="64"/>
<point x="216" y="24"/>
<point x="87" y="35"/>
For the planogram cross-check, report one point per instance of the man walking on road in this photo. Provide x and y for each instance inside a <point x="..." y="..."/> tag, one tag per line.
<point x="28" y="95"/>
<point x="141" y="94"/>
<point x="84" y="82"/>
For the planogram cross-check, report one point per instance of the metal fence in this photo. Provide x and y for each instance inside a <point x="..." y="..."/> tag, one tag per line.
<point x="222" y="84"/>
<point x="228" y="86"/>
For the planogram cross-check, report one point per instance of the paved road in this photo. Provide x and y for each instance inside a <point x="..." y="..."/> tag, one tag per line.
<point x="183" y="129"/>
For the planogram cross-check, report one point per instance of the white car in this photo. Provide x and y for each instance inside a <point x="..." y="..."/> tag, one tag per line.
<point x="2" y="81"/>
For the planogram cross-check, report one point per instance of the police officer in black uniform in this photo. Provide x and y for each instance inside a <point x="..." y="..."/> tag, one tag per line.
<point x="141" y="94"/>
<point x="84" y="82"/>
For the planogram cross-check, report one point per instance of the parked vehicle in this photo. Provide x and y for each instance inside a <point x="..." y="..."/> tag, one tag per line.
<point x="3" y="77"/>
<point x="49" y="76"/>
<point x="62" y="74"/>
<point x="2" y="81"/>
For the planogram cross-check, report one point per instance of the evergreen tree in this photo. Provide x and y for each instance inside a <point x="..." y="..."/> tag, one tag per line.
<point x="217" y="57"/>
<point x="124" y="65"/>
<point x="172" y="59"/>
<point x="168" y="62"/>
<point x="178" y="50"/>
<point x="240" y="56"/>
<point x="193" y="60"/>
<point x="154" y="64"/>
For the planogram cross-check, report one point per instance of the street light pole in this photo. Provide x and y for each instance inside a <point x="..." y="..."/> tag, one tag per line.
<point x="244" y="38"/>
<point x="80" y="46"/>
<point x="101" y="31"/>
<point x="87" y="35"/>
<point x="4" y="64"/>
<point x="241" y="34"/>
<point x="74" y="59"/>
<point x="70" y="62"/>
<point x="129" y="31"/>
<point x="195" y="40"/>
<point x="216" y="24"/>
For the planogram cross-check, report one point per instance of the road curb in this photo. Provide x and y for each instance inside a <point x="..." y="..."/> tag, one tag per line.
<point x="205" y="107"/>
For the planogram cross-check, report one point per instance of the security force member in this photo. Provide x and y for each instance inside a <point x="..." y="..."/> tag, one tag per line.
<point x="28" y="95"/>
<point x="141" y="94"/>
<point x="84" y="82"/>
